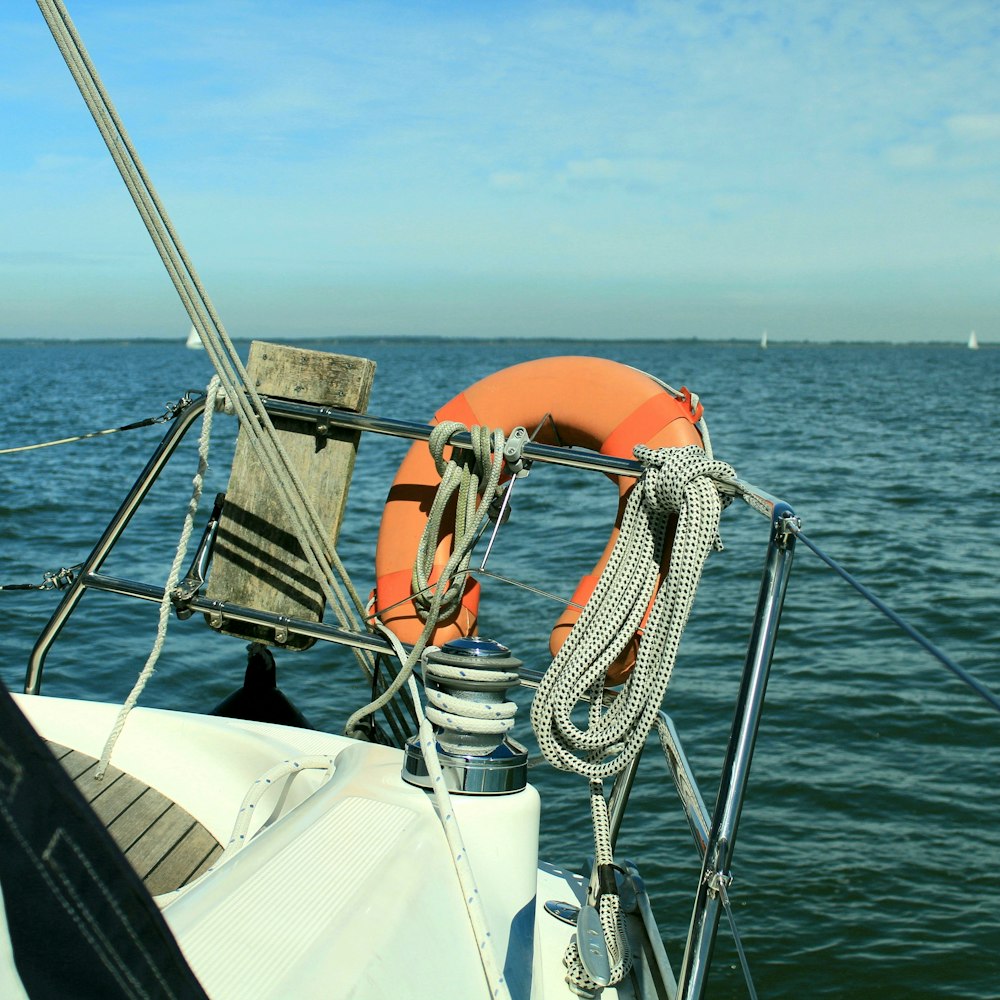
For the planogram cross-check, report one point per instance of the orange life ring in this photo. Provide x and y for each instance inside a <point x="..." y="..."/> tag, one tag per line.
<point x="597" y="404"/>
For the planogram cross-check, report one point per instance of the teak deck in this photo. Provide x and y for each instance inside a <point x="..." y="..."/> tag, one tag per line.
<point x="164" y="843"/>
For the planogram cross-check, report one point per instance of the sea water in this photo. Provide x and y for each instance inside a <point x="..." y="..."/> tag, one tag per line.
<point x="868" y="857"/>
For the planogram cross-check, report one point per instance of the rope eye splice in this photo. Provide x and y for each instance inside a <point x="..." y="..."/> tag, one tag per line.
<point x="677" y="481"/>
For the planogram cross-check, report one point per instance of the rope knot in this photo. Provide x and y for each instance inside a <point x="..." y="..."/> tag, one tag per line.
<point x="668" y="471"/>
<point x="669" y="474"/>
<point x="470" y="478"/>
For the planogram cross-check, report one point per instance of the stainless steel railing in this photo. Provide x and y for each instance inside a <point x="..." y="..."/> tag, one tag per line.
<point x="716" y="840"/>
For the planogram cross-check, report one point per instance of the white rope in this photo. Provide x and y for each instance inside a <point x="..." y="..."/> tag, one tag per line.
<point x="286" y="769"/>
<point x="675" y="480"/>
<point x="485" y="468"/>
<point x="174" y="575"/>
<point x="460" y="480"/>
<point x="474" y="907"/>
<point x="452" y="712"/>
<point x="289" y="769"/>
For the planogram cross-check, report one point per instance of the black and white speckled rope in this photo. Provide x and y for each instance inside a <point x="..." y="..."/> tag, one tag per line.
<point x="675" y="480"/>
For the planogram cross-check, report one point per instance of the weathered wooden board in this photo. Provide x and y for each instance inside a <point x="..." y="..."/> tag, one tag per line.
<point x="164" y="843"/>
<point x="258" y="562"/>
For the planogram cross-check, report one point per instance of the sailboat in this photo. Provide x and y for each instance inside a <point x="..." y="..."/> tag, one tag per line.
<point x="258" y="856"/>
<point x="194" y="341"/>
<point x="973" y="341"/>
<point x="763" y="340"/>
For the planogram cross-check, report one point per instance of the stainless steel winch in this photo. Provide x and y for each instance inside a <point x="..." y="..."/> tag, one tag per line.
<point x="466" y="683"/>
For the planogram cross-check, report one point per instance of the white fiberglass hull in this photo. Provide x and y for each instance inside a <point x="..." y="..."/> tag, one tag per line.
<point x="348" y="890"/>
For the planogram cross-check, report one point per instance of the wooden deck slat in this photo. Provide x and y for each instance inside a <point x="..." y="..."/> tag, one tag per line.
<point x="164" y="843"/>
<point x="115" y="799"/>
<point x="91" y="787"/>
<point x="159" y="838"/>
<point x="130" y="825"/>
<point x="195" y="852"/>
<point x="76" y="763"/>
<point x="59" y="751"/>
<point x="213" y="855"/>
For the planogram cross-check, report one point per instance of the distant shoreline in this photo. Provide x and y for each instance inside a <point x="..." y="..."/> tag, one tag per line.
<point x="775" y="344"/>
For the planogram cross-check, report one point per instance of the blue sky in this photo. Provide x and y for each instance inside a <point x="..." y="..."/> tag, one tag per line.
<point x="824" y="170"/>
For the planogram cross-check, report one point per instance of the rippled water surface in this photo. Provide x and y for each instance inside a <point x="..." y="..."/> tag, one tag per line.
<point x="869" y="848"/>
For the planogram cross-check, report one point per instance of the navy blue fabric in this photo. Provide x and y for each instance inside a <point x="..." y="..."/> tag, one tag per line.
<point x="81" y="922"/>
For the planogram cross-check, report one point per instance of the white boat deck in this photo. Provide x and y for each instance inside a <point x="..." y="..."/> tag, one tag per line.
<point x="348" y="890"/>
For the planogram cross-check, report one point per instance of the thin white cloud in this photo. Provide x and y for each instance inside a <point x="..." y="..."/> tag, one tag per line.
<point x="634" y="172"/>
<point x="975" y="127"/>
<point x="912" y="156"/>
<point x="511" y="180"/>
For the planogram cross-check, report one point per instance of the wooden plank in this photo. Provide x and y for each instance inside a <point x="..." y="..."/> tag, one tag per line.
<point x="91" y="787"/>
<point x="160" y="837"/>
<point x="164" y="843"/>
<point x="81" y="768"/>
<point x="130" y="825"/>
<point x="76" y="763"/>
<point x="214" y="854"/>
<point x="58" y="751"/>
<point x="258" y="562"/>
<point x="116" y="799"/>
<point x="194" y="853"/>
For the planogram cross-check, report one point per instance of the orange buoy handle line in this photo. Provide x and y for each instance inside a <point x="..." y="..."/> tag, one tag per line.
<point x="468" y="486"/>
<point x="518" y="467"/>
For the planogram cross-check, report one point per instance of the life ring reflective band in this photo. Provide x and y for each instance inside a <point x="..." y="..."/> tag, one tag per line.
<point x="593" y="403"/>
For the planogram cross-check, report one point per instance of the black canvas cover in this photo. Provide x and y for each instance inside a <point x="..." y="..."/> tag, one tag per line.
<point x="82" y="924"/>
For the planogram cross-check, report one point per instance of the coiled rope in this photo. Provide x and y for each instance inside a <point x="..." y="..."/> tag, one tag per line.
<point x="475" y="477"/>
<point x="675" y="480"/>
<point x="461" y="476"/>
<point x="451" y="712"/>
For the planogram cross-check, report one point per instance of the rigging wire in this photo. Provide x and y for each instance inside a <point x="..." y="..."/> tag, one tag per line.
<point x="59" y="579"/>
<point x="981" y="689"/>
<point x="172" y="410"/>
<point x="238" y="389"/>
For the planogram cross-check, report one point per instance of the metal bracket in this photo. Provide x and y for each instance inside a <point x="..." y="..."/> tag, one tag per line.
<point x="196" y="575"/>
<point x="718" y="882"/>
<point x="786" y="526"/>
<point x="513" y="452"/>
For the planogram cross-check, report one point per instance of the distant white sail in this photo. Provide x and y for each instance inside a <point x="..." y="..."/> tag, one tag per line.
<point x="763" y="340"/>
<point x="973" y="341"/>
<point x="194" y="341"/>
